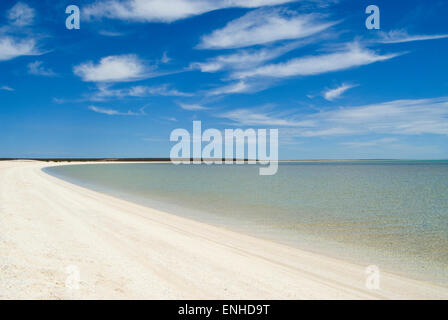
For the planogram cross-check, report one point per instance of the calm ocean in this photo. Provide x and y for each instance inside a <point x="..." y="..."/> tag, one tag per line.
<point x="393" y="214"/>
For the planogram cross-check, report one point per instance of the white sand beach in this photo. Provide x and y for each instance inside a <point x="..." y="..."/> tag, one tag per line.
<point x="127" y="251"/>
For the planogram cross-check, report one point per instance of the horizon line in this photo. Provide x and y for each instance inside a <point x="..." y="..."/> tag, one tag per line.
<point x="162" y="159"/>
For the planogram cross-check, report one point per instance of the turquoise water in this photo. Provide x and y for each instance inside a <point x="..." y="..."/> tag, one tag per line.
<point x="393" y="214"/>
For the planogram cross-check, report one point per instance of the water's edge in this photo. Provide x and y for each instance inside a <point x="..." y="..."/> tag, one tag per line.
<point x="364" y="255"/>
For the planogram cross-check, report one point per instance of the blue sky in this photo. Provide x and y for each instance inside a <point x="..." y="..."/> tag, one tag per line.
<point x="138" y="69"/>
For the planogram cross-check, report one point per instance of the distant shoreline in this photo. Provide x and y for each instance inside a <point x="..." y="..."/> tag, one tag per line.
<point x="169" y="160"/>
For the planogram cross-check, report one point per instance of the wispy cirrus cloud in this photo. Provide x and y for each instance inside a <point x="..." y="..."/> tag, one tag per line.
<point x="114" y="112"/>
<point x="354" y="55"/>
<point x="243" y="59"/>
<point x="402" y="117"/>
<point x="398" y="117"/>
<point x="165" y="58"/>
<point x="113" y="69"/>
<point x="232" y="88"/>
<point x="11" y="48"/>
<point x="332" y="94"/>
<point x="21" y="15"/>
<point x="247" y="86"/>
<point x="192" y="107"/>
<point x="262" y="27"/>
<point x="171" y="119"/>
<point x="369" y="143"/>
<point x="105" y="91"/>
<point x="260" y="117"/>
<point x="6" y="88"/>
<point x="160" y="90"/>
<point x="108" y="33"/>
<point x="166" y="11"/>
<point x="401" y="36"/>
<point x="36" y="68"/>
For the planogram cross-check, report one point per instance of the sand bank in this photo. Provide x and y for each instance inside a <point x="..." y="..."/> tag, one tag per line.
<point x="51" y="229"/>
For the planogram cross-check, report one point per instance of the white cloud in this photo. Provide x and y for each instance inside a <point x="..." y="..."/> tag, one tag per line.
<point x="113" y="112"/>
<point x="236" y="87"/>
<point x="6" y="88"/>
<point x="112" y="69"/>
<point x="261" y="27"/>
<point x="11" y="48"/>
<point x="370" y="143"/>
<point x="192" y="107"/>
<point x="161" y="90"/>
<point x="400" y="36"/>
<point x="404" y="117"/>
<point x="37" y="69"/>
<point x="21" y="15"/>
<point x="260" y="117"/>
<point x="243" y="59"/>
<point x="105" y="92"/>
<point x="399" y="117"/>
<point x="164" y="10"/>
<point x="353" y="56"/>
<point x="165" y="58"/>
<point x="336" y="131"/>
<point x="335" y="93"/>
<point x="240" y="87"/>
<point x="107" y="33"/>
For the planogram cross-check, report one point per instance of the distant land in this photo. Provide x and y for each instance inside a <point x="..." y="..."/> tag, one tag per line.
<point x="169" y="160"/>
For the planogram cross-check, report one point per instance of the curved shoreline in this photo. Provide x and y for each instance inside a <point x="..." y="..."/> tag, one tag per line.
<point x="124" y="250"/>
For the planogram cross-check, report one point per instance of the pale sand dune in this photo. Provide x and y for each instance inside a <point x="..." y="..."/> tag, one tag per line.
<point x="124" y="250"/>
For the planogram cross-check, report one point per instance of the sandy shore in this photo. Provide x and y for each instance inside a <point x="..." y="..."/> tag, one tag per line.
<point x="51" y="229"/>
